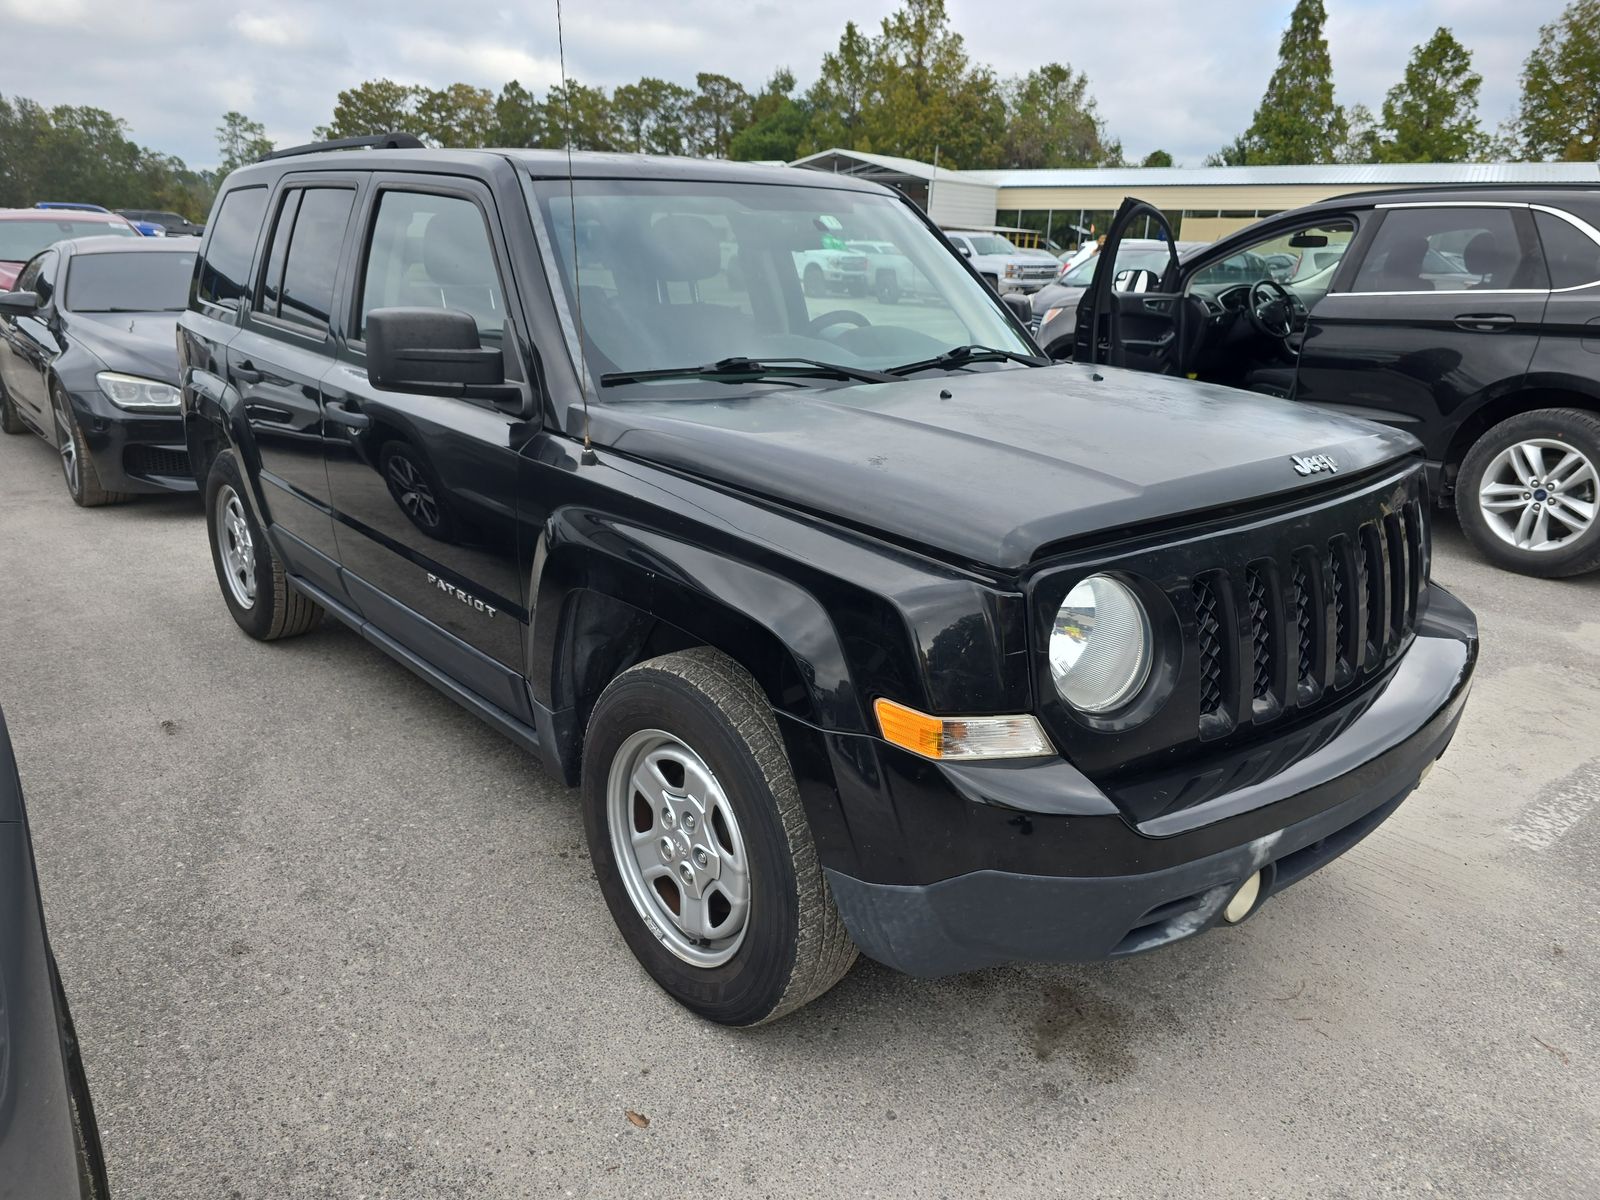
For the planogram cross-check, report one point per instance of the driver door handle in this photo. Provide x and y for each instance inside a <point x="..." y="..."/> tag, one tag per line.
<point x="349" y="417"/>
<point x="1485" y="322"/>
<point x="246" y="373"/>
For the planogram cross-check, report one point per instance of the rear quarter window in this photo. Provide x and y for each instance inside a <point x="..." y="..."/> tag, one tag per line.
<point x="1572" y="256"/>
<point x="224" y="270"/>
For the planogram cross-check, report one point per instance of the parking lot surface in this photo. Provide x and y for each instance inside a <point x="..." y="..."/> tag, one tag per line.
<point x="327" y="935"/>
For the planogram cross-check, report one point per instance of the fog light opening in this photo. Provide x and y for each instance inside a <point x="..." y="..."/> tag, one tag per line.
<point x="1243" y="900"/>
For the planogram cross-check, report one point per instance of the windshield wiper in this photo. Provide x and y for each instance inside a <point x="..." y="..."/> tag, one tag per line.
<point x="738" y="368"/>
<point x="960" y="356"/>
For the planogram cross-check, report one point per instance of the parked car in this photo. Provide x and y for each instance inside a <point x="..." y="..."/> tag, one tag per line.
<point x="854" y="632"/>
<point x="73" y="206"/>
<point x="832" y="270"/>
<point x="1055" y="303"/>
<point x="89" y="362"/>
<point x="171" y="223"/>
<point x="49" y="1142"/>
<point x="1001" y="265"/>
<point x="1457" y="314"/>
<point x="890" y="274"/>
<point x="26" y="231"/>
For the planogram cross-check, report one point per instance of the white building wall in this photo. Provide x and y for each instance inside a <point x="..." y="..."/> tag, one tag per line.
<point x="954" y="204"/>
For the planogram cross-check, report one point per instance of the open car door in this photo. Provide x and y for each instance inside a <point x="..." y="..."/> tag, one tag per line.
<point x="1133" y="319"/>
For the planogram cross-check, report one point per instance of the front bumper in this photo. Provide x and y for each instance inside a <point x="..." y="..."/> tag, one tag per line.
<point x="955" y="868"/>
<point x="134" y="452"/>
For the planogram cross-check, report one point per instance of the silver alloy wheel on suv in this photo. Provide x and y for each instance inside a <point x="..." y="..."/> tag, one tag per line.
<point x="236" y="546"/>
<point x="1539" y="495"/>
<point x="678" y="848"/>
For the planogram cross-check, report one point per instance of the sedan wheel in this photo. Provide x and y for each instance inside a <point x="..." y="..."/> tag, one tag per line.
<point x="1539" y="495"/>
<point x="67" y="442"/>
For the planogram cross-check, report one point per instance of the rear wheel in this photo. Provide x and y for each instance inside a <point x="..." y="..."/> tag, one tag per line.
<point x="700" y="844"/>
<point x="888" y="288"/>
<point x="815" y="284"/>
<point x="254" y="584"/>
<point x="1528" y="493"/>
<point x="77" y="466"/>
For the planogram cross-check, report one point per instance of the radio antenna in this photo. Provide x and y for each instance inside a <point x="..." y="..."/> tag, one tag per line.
<point x="589" y="458"/>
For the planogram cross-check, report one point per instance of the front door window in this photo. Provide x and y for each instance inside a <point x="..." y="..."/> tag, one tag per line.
<point x="1303" y="260"/>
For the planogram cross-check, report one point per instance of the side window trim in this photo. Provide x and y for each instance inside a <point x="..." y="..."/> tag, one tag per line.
<point x="473" y="192"/>
<point x="1578" y="223"/>
<point x="1515" y="208"/>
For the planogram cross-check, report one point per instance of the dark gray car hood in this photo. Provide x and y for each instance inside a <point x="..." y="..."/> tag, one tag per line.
<point x="143" y="344"/>
<point x="1011" y="461"/>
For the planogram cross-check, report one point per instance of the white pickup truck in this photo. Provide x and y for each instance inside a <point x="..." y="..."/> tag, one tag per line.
<point x="1006" y="268"/>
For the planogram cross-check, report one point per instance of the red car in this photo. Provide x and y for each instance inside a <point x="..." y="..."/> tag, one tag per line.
<point x="26" y="231"/>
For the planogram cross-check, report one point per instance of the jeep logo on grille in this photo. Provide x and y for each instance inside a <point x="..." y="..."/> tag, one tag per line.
<point x="1310" y="464"/>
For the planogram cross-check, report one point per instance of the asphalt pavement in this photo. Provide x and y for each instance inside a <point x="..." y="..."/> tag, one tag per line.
<point x="327" y="935"/>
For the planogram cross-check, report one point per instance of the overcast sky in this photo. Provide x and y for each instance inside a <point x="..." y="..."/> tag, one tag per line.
<point x="1183" y="75"/>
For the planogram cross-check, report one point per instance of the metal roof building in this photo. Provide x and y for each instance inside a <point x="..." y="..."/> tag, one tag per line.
<point x="1211" y="201"/>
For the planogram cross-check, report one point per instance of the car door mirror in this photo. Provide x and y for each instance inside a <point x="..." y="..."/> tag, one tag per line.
<point x="435" y="352"/>
<point x="19" y="304"/>
<point x="966" y="251"/>
<point x="1021" y="306"/>
<point x="1138" y="280"/>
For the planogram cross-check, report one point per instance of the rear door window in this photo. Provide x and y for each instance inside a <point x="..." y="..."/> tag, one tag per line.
<point x="311" y="265"/>
<point x="1452" y="249"/>
<point x="225" y="271"/>
<point x="1572" y="256"/>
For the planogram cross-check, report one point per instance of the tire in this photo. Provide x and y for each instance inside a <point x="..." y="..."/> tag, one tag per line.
<point x="788" y="945"/>
<point x="77" y="465"/>
<point x="260" y="597"/>
<point x="10" y="421"/>
<point x="814" y="283"/>
<point x="1558" y="447"/>
<point x="888" y="288"/>
<point x="414" y="487"/>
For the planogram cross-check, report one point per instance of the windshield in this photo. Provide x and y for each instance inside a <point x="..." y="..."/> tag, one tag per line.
<point x="128" y="282"/>
<point x="1127" y="260"/>
<point x="680" y="274"/>
<point x="989" y="243"/>
<point x="21" y="240"/>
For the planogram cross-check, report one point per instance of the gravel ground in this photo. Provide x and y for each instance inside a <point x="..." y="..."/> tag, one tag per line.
<point x="326" y="935"/>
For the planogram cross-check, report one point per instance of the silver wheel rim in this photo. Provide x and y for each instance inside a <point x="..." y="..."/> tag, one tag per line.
<point x="678" y="848"/>
<point x="69" y="448"/>
<point x="1539" y="495"/>
<point x="412" y="491"/>
<point x="236" y="547"/>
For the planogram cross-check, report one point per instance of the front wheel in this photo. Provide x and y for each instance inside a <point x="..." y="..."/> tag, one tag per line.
<point x="10" y="422"/>
<point x="888" y="289"/>
<point x="77" y="466"/>
<point x="815" y="284"/>
<point x="1528" y="493"/>
<point x="700" y="843"/>
<point x="254" y="584"/>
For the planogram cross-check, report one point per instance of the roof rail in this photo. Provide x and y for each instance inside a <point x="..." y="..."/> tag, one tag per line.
<point x="373" y="141"/>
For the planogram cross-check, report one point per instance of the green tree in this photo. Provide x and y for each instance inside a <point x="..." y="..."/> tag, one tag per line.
<point x="720" y="108"/>
<point x="1298" y="121"/>
<point x="779" y="123"/>
<point x="1559" y="116"/>
<point x="581" y="116"/>
<point x="839" y="99"/>
<point x="1156" y="158"/>
<point x="459" y="115"/>
<point x="1361" y="137"/>
<point x="376" y="106"/>
<point x="651" y="116"/>
<point x="1431" y="115"/>
<point x="1052" y="122"/>
<point x="519" y="118"/>
<point x="25" y="137"/>
<point x="240" y="140"/>
<point x="929" y="97"/>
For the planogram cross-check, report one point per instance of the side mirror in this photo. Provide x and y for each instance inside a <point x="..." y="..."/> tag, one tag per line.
<point x="1021" y="306"/>
<point x="966" y="251"/>
<point x="433" y="351"/>
<point x="1135" y="281"/>
<point x="19" y="304"/>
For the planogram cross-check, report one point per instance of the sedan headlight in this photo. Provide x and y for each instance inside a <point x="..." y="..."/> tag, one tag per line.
<point x="1100" y="647"/>
<point x="137" y="394"/>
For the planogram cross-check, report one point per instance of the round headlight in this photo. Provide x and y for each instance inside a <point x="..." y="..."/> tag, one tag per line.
<point x="1100" y="647"/>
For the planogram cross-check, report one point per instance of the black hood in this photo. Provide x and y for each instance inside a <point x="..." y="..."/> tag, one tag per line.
<point x="144" y="344"/>
<point x="1013" y="460"/>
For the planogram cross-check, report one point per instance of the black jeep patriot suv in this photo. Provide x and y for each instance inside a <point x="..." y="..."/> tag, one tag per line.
<point x="860" y="625"/>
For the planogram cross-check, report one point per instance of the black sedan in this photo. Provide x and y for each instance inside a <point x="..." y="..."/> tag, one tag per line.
<point x="49" y="1144"/>
<point x="89" y="362"/>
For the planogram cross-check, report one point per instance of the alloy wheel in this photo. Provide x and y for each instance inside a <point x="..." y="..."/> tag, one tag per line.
<point x="236" y="547"/>
<point x="678" y="848"/>
<point x="1539" y="494"/>
<point x="412" y="492"/>
<point x="69" y="447"/>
